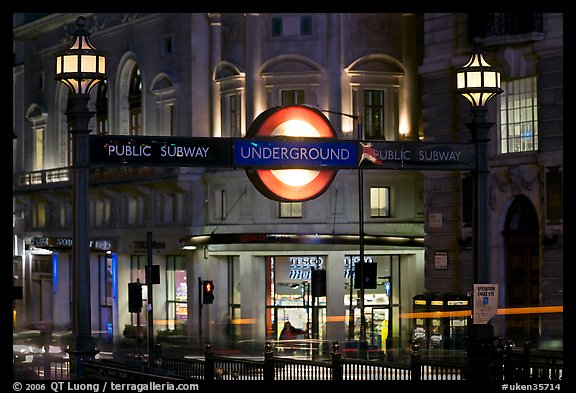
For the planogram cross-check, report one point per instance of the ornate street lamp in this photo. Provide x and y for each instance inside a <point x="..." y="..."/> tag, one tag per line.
<point x="478" y="82"/>
<point x="80" y="67"/>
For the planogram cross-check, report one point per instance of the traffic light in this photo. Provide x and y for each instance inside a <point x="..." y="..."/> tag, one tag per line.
<point x="207" y="292"/>
<point x="369" y="275"/>
<point x="318" y="283"/>
<point x="134" y="297"/>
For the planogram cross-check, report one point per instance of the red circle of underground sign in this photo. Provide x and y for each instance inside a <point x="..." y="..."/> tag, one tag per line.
<point x="264" y="180"/>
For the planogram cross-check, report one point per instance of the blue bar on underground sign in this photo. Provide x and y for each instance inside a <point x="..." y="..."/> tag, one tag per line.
<point x="300" y="154"/>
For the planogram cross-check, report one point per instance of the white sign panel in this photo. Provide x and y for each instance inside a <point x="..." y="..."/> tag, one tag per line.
<point x="485" y="302"/>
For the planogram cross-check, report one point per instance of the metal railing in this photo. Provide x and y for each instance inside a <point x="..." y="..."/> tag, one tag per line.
<point x="44" y="367"/>
<point x="494" y="364"/>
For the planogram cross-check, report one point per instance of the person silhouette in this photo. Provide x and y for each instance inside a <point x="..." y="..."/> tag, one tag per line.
<point x="289" y="332"/>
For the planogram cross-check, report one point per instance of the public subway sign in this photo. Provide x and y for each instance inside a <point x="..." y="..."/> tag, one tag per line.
<point x="159" y="151"/>
<point x="277" y="153"/>
<point x="415" y="155"/>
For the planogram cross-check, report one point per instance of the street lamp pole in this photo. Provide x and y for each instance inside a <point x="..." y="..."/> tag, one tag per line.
<point x="478" y="82"/>
<point x="80" y="67"/>
<point x="362" y="343"/>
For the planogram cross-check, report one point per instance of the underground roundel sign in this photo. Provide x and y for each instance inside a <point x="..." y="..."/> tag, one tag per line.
<point x="291" y="185"/>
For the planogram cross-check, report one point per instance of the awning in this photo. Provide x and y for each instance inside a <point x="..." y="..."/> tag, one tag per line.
<point x="292" y="238"/>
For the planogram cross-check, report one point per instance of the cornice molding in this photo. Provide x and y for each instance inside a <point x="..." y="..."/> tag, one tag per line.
<point x="46" y="24"/>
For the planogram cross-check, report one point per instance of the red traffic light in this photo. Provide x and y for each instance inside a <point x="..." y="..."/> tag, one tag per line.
<point x="207" y="292"/>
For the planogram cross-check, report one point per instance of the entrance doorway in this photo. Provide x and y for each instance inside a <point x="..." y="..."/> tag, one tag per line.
<point x="521" y="236"/>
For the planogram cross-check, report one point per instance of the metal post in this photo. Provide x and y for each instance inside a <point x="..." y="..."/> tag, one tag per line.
<point x="479" y="130"/>
<point x="362" y="345"/>
<point x="200" y="310"/>
<point x="150" y="315"/>
<point x="479" y="334"/>
<point x="82" y="345"/>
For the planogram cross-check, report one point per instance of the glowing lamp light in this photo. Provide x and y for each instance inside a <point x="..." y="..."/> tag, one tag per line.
<point x="81" y="66"/>
<point x="478" y="81"/>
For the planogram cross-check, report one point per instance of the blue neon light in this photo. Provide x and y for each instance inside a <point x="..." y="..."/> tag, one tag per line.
<point x="114" y="276"/>
<point x="55" y="272"/>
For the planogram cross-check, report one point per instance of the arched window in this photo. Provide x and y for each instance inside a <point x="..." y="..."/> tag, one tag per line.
<point x="135" y="102"/>
<point x="102" y="109"/>
<point x="165" y="92"/>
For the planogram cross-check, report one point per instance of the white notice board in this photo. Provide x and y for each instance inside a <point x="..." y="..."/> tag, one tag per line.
<point x="485" y="302"/>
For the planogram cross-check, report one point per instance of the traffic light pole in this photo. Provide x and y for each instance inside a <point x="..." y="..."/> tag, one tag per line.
<point x="150" y="314"/>
<point x="362" y="344"/>
<point x="200" y="310"/>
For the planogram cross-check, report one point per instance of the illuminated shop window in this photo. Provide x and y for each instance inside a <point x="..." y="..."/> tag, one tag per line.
<point x="177" y="293"/>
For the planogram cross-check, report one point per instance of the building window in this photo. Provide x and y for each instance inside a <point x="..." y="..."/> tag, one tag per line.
<point x="292" y="97"/>
<point x="65" y="214"/>
<point x="38" y="148"/>
<point x="102" y="108"/>
<point x="177" y="293"/>
<point x="276" y="27"/>
<point x="134" y="210"/>
<point x="519" y="116"/>
<point x="235" y="115"/>
<point x="100" y="211"/>
<point x="289" y="296"/>
<point x="290" y="209"/>
<point x="488" y="24"/>
<point x="306" y="25"/>
<point x="106" y="296"/>
<point x="39" y="81"/>
<point x="135" y="102"/>
<point x="291" y="26"/>
<point x="138" y="265"/>
<point x="164" y="92"/>
<point x="220" y="204"/>
<point x="232" y="115"/>
<point x="168" y="208"/>
<point x="168" y="119"/>
<point x="374" y="114"/>
<point x="554" y="208"/>
<point x="39" y="215"/>
<point x="379" y="201"/>
<point x="166" y="45"/>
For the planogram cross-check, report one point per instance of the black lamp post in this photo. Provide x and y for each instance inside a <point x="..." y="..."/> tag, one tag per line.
<point x="478" y="81"/>
<point x="80" y="67"/>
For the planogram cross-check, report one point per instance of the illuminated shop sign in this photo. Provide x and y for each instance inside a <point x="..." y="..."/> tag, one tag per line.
<point x="349" y="262"/>
<point x="66" y="242"/>
<point x="143" y="244"/>
<point x="301" y="267"/>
